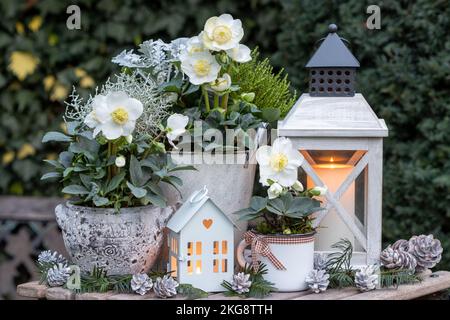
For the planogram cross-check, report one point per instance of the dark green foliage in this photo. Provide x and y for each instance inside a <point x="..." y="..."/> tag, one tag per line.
<point x="259" y="288"/>
<point x="272" y="90"/>
<point x="338" y="265"/>
<point x="191" y="292"/>
<point x="404" y="77"/>
<point x="394" y="278"/>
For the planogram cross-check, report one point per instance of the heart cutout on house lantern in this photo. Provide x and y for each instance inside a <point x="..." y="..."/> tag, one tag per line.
<point x="207" y="223"/>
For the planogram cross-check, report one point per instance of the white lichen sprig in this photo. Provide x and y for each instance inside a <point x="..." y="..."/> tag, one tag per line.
<point x="156" y="102"/>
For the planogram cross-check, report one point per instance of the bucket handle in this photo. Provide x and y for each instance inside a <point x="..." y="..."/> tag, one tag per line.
<point x="199" y="195"/>
<point x="240" y="253"/>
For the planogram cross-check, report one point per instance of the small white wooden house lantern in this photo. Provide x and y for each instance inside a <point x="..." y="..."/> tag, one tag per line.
<point x="341" y="139"/>
<point x="201" y="242"/>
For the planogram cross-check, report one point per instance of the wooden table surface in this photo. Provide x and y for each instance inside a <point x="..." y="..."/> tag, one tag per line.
<point x="432" y="282"/>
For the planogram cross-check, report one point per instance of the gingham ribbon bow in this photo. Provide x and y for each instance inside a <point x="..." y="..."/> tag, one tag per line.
<point x="260" y="246"/>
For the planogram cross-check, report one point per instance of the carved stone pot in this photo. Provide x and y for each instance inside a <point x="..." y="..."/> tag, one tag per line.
<point x="121" y="243"/>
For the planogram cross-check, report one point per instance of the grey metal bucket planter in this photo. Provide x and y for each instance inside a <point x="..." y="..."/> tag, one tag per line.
<point x="122" y="243"/>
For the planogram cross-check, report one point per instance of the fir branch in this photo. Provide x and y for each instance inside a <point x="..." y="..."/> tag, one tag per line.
<point x="340" y="260"/>
<point x="394" y="278"/>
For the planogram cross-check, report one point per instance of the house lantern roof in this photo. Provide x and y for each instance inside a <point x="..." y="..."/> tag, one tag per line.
<point x="189" y="208"/>
<point x="332" y="53"/>
<point x="332" y="117"/>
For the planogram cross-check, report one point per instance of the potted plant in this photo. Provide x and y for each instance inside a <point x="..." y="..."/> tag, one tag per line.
<point x="228" y="94"/>
<point x="284" y="235"/>
<point x="112" y="168"/>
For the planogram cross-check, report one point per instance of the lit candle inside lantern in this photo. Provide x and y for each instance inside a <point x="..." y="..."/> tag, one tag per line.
<point x="332" y="228"/>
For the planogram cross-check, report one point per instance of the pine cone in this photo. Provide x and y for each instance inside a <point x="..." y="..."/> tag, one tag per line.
<point x="165" y="287"/>
<point x="318" y="281"/>
<point x="366" y="278"/>
<point x="241" y="284"/>
<point x="397" y="259"/>
<point x="401" y="244"/>
<point x="58" y="275"/>
<point x="426" y="250"/>
<point x="141" y="283"/>
<point x="320" y="261"/>
<point x="51" y="257"/>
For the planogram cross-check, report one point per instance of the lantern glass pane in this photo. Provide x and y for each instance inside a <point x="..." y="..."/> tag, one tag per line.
<point x="336" y="170"/>
<point x="173" y="266"/>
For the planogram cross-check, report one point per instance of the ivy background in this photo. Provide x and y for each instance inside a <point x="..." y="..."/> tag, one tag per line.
<point x="404" y="75"/>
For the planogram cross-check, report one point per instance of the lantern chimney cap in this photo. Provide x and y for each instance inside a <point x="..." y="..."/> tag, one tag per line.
<point x="332" y="28"/>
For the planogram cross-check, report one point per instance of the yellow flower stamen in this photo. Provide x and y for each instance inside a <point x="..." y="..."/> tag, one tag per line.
<point x="278" y="162"/>
<point x="222" y="34"/>
<point x="120" y="115"/>
<point x="202" y="67"/>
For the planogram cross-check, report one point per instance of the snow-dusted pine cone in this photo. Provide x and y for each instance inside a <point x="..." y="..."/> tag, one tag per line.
<point x="397" y="259"/>
<point x="320" y="261"/>
<point x="366" y="278"/>
<point x="241" y="283"/>
<point x="426" y="250"/>
<point x="165" y="287"/>
<point x="141" y="283"/>
<point x="317" y="280"/>
<point x="51" y="257"/>
<point x="58" y="275"/>
<point x="401" y="244"/>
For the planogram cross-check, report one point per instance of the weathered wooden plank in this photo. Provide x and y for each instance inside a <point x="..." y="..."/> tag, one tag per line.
<point x="94" y="295"/>
<point x="438" y="281"/>
<point x="59" y="293"/>
<point x="28" y="208"/>
<point x="130" y="296"/>
<point x="330" y="294"/>
<point x="284" y="295"/>
<point x="32" y="290"/>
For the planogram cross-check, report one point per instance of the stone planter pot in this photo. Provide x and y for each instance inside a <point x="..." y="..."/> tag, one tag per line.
<point x="122" y="243"/>
<point x="296" y="254"/>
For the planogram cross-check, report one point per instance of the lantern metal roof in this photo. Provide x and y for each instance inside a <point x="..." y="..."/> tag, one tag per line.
<point x="332" y="117"/>
<point x="332" y="53"/>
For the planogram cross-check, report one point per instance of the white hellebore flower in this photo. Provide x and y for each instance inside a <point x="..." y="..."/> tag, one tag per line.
<point x="222" y="33"/>
<point x="114" y="115"/>
<point x="240" y="53"/>
<point x="200" y="67"/>
<point x="274" y="191"/>
<point x="176" y="126"/>
<point x="195" y="45"/>
<point x="120" y="161"/>
<point x="222" y="83"/>
<point x="279" y="162"/>
<point x="320" y="190"/>
<point x="129" y="138"/>
<point x="298" y="186"/>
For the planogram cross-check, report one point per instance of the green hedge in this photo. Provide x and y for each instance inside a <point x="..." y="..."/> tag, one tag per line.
<point x="404" y="75"/>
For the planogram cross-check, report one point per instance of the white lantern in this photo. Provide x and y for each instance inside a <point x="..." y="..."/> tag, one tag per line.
<point x="200" y="241"/>
<point x="341" y="139"/>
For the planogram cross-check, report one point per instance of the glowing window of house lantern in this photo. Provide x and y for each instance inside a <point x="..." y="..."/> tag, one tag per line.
<point x="224" y="265"/>
<point x="173" y="265"/>
<point x="215" y="265"/>
<point x="189" y="249"/>
<point x="224" y="247"/>
<point x="198" y="248"/>
<point x="198" y="266"/>
<point x="190" y="268"/>
<point x="216" y="247"/>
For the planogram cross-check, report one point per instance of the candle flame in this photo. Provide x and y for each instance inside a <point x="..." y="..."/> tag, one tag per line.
<point x="198" y="270"/>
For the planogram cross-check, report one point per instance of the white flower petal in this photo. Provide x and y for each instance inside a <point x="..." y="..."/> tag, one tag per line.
<point x="240" y="54"/>
<point x="134" y="108"/>
<point x="111" y="130"/>
<point x="116" y="98"/>
<point x="263" y="155"/>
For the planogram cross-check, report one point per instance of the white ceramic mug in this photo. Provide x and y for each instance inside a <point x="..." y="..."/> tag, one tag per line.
<point x="297" y="258"/>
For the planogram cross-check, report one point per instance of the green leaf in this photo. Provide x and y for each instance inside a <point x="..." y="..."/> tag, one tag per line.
<point x="136" y="174"/>
<point x="136" y="191"/>
<point x="56" y="136"/>
<point x="100" y="201"/>
<point x="115" y="182"/>
<point x="50" y="175"/>
<point x="75" y="189"/>
<point x="258" y="203"/>
<point x="86" y="180"/>
<point x="65" y="158"/>
<point x="156" y="200"/>
<point x="271" y="114"/>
